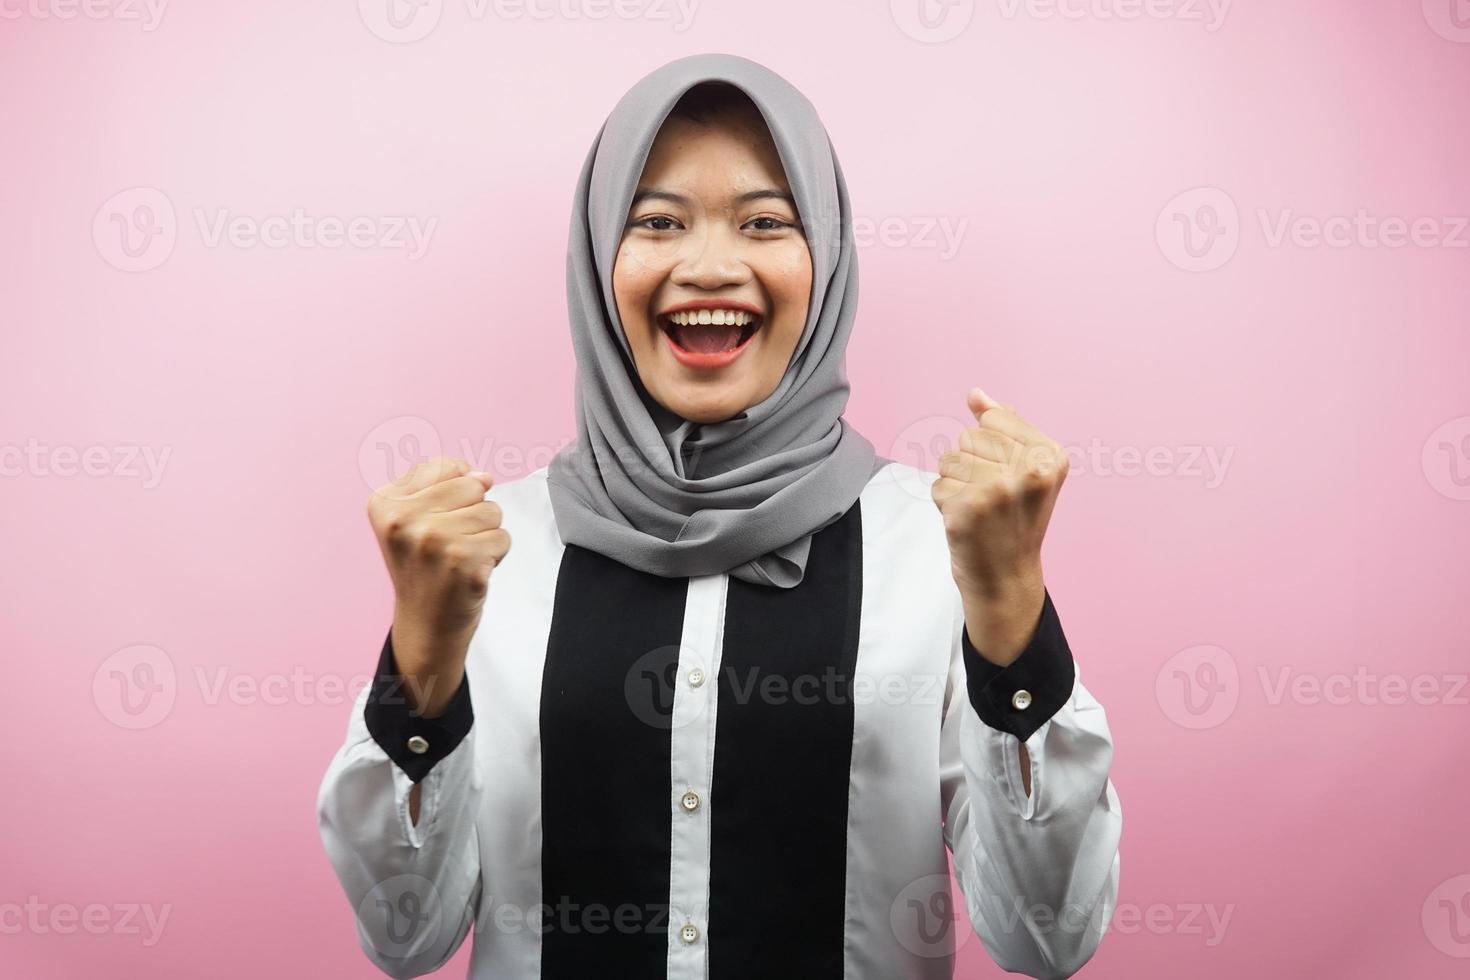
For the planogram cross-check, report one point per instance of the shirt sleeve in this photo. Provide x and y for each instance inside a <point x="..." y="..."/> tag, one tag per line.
<point x="415" y="743"/>
<point x="1021" y="697"/>
<point x="1038" y="873"/>
<point x="415" y="888"/>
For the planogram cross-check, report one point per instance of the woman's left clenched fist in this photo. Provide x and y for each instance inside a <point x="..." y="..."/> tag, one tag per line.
<point x="996" y="492"/>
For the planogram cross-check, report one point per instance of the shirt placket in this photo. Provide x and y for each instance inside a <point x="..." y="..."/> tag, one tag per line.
<point x="692" y="724"/>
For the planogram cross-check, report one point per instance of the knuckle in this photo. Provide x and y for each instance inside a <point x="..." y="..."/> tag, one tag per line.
<point x="953" y="520"/>
<point x="477" y="581"/>
<point x="398" y="527"/>
<point x="961" y="517"/>
<point x="429" y="541"/>
<point x="1046" y="464"/>
<point x="456" y="554"/>
<point x="1002" y="492"/>
<point x="442" y="468"/>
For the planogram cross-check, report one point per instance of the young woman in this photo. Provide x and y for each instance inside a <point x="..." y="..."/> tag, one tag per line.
<point x="741" y="683"/>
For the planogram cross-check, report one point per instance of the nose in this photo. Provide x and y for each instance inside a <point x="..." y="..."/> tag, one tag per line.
<point x="709" y="260"/>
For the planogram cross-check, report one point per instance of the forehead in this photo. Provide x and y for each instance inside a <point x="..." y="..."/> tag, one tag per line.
<point x="731" y="152"/>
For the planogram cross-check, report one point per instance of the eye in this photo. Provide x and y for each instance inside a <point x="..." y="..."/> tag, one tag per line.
<point x="668" y="223"/>
<point x="767" y="222"/>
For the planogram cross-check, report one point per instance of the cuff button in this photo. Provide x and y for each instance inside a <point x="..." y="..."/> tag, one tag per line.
<point x="418" y="745"/>
<point x="1021" y="700"/>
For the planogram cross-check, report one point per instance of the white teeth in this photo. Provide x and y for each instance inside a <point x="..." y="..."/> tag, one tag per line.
<point x="717" y="317"/>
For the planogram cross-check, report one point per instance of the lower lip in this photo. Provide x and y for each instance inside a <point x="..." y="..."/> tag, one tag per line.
<point x="706" y="361"/>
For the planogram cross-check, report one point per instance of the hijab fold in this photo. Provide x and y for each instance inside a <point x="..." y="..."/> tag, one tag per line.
<point x="679" y="498"/>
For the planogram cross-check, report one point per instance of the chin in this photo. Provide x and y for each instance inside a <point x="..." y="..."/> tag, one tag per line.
<point x="707" y="416"/>
<point x="706" y="411"/>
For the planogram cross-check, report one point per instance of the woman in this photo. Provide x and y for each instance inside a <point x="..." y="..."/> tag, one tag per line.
<point x="724" y="707"/>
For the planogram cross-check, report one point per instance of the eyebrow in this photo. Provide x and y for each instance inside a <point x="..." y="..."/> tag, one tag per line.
<point x="654" y="193"/>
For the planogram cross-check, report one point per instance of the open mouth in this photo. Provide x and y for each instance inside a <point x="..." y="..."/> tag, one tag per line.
<point x="715" y="331"/>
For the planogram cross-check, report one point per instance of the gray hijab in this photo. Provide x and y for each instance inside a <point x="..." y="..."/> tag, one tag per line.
<point x="679" y="498"/>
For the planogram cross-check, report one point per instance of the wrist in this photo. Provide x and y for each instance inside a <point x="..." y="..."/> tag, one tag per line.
<point x="1000" y="587"/>
<point x="421" y="645"/>
<point x="1001" y="617"/>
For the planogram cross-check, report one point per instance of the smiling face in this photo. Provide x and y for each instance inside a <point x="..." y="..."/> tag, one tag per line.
<point x="713" y="276"/>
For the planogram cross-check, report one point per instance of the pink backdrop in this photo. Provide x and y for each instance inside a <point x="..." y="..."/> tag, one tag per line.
<point x="255" y="256"/>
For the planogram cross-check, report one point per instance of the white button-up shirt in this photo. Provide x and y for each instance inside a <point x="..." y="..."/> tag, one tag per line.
<point x="690" y="778"/>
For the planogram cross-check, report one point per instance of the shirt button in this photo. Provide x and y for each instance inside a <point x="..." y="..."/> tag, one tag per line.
<point x="690" y="933"/>
<point x="696" y="677"/>
<point x="1021" y="700"/>
<point x="690" y="801"/>
<point x="418" y="745"/>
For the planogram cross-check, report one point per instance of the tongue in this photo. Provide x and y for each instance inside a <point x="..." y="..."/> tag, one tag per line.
<point x="708" y="338"/>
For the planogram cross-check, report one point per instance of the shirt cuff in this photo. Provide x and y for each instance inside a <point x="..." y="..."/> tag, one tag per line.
<point x="415" y="743"/>
<point x="1023" y="696"/>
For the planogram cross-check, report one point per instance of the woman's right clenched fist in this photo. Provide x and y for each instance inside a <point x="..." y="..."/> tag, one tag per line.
<point x="440" y="539"/>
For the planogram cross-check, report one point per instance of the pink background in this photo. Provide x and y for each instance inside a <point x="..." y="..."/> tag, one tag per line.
<point x="1312" y="830"/>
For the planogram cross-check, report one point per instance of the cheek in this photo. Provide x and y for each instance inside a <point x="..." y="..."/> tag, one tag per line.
<point x="787" y="275"/>
<point x="634" y="281"/>
<point x="789" y="272"/>
<point x="644" y="260"/>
